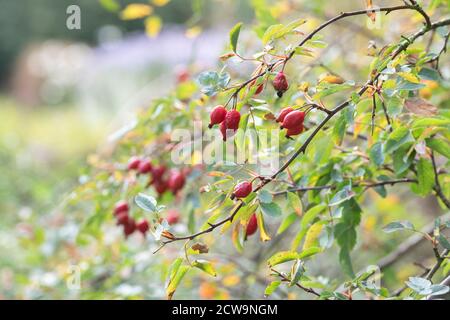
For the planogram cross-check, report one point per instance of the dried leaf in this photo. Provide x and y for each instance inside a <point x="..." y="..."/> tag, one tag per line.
<point x="200" y="248"/>
<point x="421" y="107"/>
<point x="372" y="15"/>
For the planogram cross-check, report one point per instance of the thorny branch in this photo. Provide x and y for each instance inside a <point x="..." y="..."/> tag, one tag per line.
<point x="330" y="113"/>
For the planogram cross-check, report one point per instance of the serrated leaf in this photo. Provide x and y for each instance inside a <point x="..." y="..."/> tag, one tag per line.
<point x="146" y="202"/>
<point x="234" y="36"/>
<point x="205" y="266"/>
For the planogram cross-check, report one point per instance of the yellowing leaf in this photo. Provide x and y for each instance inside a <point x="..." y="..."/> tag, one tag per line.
<point x="153" y="26"/>
<point x="409" y="76"/>
<point x="281" y="257"/>
<point x="330" y="78"/>
<point x="136" y="11"/>
<point x="160" y="3"/>
<point x="175" y="281"/>
<point x="312" y="235"/>
<point x="262" y="228"/>
<point x="205" y="266"/>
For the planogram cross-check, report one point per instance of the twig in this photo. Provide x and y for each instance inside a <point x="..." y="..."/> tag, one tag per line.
<point x="285" y="279"/>
<point x="437" y="185"/>
<point x="330" y="115"/>
<point x="367" y="185"/>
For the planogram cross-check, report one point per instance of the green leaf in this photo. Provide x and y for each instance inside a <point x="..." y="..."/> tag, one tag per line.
<point x="339" y="129"/>
<point x="398" y="225"/>
<point x="342" y="195"/>
<point x="265" y="196"/>
<point x="271" y="288"/>
<point x="309" y="252"/>
<point x="444" y="242"/>
<point x="328" y="89"/>
<point x="430" y="122"/>
<point x="429" y="74"/>
<point x="175" y="281"/>
<point x="425" y="177"/>
<point x="146" y="202"/>
<point x="439" y="146"/>
<point x="307" y="218"/>
<point x="271" y="33"/>
<point x="397" y="138"/>
<point x="282" y="257"/>
<point x="287" y="222"/>
<point x="297" y="272"/>
<point x="345" y="233"/>
<point x="295" y="203"/>
<point x="271" y="209"/>
<point x="277" y="31"/>
<point x="205" y="266"/>
<point x="234" y="36"/>
<point x="211" y="82"/>
<point x="376" y="153"/>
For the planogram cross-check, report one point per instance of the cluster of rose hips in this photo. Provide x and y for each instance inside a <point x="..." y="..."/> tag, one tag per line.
<point x="291" y="120"/>
<point x="160" y="177"/>
<point x="228" y="120"/>
<point x="123" y="218"/>
<point x="121" y="213"/>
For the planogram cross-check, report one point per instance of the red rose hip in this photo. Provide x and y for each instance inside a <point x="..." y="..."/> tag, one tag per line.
<point x="173" y="217"/>
<point x="293" y="119"/>
<point x="133" y="163"/>
<point x="232" y="119"/>
<point x="129" y="228"/>
<point x="242" y="190"/>
<point x="121" y="206"/>
<point x="252" y="225"/>
<point x="284" y="112"/>
<point x="294" y="131"/>
<point x="122" y="218"/>
<point x="280" y="84"/>
<point x="176" y="181"/>
<point x="142" y="226"/>
<point x="145" y="166"/>
<point x="217" y="115"/>
<point x="158" y="172"/>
